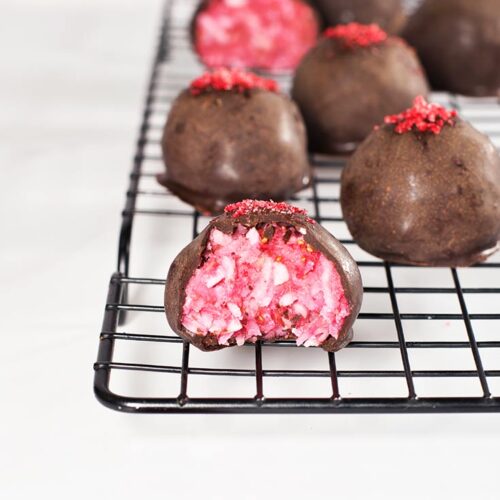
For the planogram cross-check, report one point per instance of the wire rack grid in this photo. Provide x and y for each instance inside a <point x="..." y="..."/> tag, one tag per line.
<point x="427" y="339"/>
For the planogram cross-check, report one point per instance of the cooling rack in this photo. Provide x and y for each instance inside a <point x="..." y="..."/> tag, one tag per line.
<point x="427" y="339"/>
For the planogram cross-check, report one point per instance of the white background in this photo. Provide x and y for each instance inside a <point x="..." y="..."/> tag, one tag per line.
<point x="71" y="88"/>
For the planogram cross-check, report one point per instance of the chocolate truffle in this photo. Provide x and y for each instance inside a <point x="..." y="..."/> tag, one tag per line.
<point x="231" y="136"/>
<point x="354" y="77"/>
<point x="458" y="42"/>
<point x="271" y="35"/>
<point x="424" y="189"/>
<point x="388" y="14"/>
<point x="263" y="270"/>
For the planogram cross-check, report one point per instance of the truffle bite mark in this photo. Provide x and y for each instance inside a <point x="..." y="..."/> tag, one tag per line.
<point x="263" y="270"/>
<point x="264" y="282"/>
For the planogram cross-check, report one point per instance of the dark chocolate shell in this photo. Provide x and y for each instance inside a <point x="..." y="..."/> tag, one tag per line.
<point x="388" y="14"/>
<point x="458" y="42"/>
<point x="342" y="94"/>
<point x="224" y="146"/>
<point x="424" y="199"/>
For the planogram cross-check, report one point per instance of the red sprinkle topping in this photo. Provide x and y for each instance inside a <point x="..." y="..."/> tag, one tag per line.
<point x="247" y="207"/>
<point x="423" y="116"/>
<point x="354" y="35"/>
<point x="231" y="79"/>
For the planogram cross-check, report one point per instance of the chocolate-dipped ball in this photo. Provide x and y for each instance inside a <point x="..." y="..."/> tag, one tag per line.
<point x="458" y="42"/>
<point x="272" y="35"/>
<point x="354" y="77"/>
<point x="424" y="189"/>
<point x="231" y="136"/>
<point x="263" y="271"/>
<point x="388" y="14"/>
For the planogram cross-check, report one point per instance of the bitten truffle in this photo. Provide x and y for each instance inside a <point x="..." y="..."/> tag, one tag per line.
<point x="272" y="35"/>
<point x="233" y="135"/>
<point x="424" y="189"/>
<point x="458" y="42"/>
<point x="263" y="271"/>
<point x="355" y="76"/>
<point x="388" y="14"/>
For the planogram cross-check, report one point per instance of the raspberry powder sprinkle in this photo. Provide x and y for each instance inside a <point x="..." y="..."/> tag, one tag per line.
<point x="422" y="117"/>
<point x="247" y="207"/>
<point x="231" y="79"/>
<point x="354" y="35"/>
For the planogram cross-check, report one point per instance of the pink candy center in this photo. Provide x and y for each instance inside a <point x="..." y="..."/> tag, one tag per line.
<point x="267" y="34"/>
<point x="264" y="283"/>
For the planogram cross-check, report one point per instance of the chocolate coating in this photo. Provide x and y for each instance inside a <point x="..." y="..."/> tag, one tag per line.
<point x="388" y="14"/>
<point x="424" y="199"/>
<point x="458" y="42"/>
<point x="222" y="147"/>
<point x="190" y="258"/>
<point x="343" y="93"/>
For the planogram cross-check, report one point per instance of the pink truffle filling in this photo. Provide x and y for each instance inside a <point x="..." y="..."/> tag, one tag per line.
<point x="265" y="283"/>
<point x="266" y="34"/>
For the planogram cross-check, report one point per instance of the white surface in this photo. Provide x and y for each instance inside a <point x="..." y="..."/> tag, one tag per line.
<point x="71" y="90"/>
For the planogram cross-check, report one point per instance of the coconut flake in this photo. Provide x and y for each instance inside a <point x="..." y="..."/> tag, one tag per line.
<point x="234" y="325"/>
<point x="235" y="310"/>
<point x="287" y="299"/>
<point x="215" y="278"/>
<point x="253" y="236"/>
<point x="280" y="273"/>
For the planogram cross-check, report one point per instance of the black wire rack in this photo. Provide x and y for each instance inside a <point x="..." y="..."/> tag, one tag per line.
<point x="427" y="339"/>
